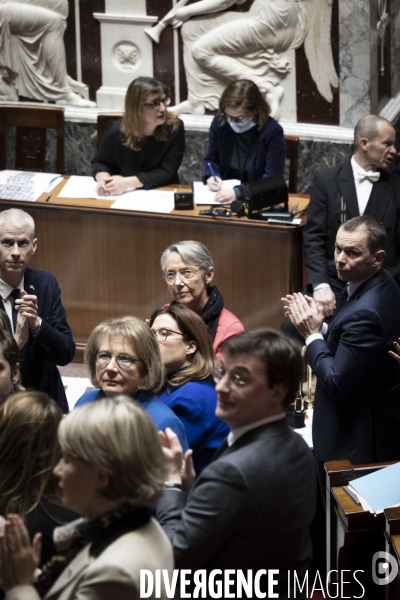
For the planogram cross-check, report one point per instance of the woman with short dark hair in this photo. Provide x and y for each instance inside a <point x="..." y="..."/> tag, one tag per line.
<point x="145" y="148"/>
<point x="244" y="142"/>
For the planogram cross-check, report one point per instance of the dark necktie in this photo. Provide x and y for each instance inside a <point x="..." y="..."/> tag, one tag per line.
<point x="344" y="296"/>
<point x="16" y="294"/>
<point x="24" y="356"/>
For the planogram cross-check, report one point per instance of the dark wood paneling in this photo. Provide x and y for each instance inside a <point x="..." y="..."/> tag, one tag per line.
<point x="107" y="262"/>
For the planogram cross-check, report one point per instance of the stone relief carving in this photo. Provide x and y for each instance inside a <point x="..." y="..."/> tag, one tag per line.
<point x="219" y="47"/>
<point x="32" y="45"/>
<point x="126" y="56"/>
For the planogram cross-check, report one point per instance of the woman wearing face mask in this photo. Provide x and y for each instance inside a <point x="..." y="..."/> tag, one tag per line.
<point x="244" y="141"/>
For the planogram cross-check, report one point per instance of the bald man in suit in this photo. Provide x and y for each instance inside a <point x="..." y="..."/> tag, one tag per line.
<point x="360" y="186"/>
<point x="32" y="301"/>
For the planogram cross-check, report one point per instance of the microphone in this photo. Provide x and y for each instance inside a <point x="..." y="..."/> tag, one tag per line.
<point x="237" y="207"/>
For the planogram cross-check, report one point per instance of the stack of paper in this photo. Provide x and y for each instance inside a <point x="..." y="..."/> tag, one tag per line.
<point x="203" y="194"/>
<point x="26" y="185"/>
<point x="378" y="490"/>
<point x="144" y="200"/>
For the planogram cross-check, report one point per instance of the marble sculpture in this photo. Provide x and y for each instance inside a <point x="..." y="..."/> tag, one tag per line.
<point x="32" y="45"/>
<point x="221" y="46"/>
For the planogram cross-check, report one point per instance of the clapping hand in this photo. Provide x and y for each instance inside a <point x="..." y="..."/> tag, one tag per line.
<point x="18" y="557"/>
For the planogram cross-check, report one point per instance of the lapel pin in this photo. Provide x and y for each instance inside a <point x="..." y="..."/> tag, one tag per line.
<point x="31" y="287"/>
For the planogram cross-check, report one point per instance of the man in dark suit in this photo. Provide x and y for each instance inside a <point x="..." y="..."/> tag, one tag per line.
<point x="32" y="301"/>
<point x="360" y="186"/>
<point x="252" y="507"/>
<point x="357" y="399"/>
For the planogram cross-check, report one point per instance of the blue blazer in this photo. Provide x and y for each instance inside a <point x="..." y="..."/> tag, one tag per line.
<point x="54" y="344"/>
<point x="357" y="399"/>
<point x="194" y="403"/>
<point x="161" y="415"/>
<point x="266" y="156"/>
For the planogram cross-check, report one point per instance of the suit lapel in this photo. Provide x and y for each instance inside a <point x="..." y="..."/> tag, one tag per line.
<point x="380" y="198"/>
<point x="70" y="573"/>
<point x="367" y="285"/>
<point x="347" y="187"/>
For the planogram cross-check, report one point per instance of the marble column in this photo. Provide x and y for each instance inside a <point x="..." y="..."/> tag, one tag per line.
<point x="126" y="50"/>
<point x="355" y="60"/>
<point x="395" y="54"/>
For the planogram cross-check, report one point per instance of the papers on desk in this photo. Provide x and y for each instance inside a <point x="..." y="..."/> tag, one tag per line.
<point x="82" y="187"/>
<point x="144" y="200"/>
<point x="203" y="194"/>
<point x="26" y="185"/>
<point x="378" y="490"/>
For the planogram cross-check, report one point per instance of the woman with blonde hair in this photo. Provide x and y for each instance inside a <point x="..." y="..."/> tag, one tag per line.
<point x="145" y="148"/>
<point x="189" y="359"/>
<point x="112" y="469"/>
<point x="123" y="357"/>
<point x="29" y="451"/>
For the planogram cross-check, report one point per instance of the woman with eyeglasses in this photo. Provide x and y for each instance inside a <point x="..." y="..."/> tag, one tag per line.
<point x="244" y="142"/>
<point x="188" y="270"/>
<point x="123" y="357"/>
<point x="145" y="148"/>
<point x="189" y="359"/>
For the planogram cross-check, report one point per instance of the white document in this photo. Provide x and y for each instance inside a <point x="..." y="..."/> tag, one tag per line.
<point x="146" y="200"/>
<point x="203" y="194"/>
<point x="26" y="185"/>
<point x="82" y="187"/>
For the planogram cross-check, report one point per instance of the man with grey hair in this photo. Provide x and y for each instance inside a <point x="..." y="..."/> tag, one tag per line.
<point x="359" y="186"/>
<point x="32" y="301"/>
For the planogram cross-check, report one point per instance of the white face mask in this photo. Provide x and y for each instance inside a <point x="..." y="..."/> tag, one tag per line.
<point x="243" y="126"/>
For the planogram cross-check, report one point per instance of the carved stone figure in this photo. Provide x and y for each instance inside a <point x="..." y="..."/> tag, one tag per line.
<point x="32" y="45"/>
<point x="220" y="47"/>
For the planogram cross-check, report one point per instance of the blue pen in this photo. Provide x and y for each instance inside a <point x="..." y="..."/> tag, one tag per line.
<point x="212" y="172"/>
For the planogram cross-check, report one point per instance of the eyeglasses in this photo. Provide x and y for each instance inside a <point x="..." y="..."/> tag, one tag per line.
<point x="156" y="103"/>
<point x="163" y="334"/>
<point x="235" y="381"/>
<point x="124" y="361"/>
<point x="184" y="274"/>
<point x="236" y="119"/>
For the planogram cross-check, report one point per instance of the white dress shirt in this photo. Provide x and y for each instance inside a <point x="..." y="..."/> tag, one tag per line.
<point x="364" y="180"/>
<point x="235" y="434"/>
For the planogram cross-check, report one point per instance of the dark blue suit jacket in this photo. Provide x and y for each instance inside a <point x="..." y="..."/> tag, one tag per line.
<point x="357" y="399"/>
<point x="266" y="156"/>
<point x="54" y="344"/>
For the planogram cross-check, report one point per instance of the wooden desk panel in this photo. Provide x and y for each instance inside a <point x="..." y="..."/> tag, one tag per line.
<point x="107" y="261"/>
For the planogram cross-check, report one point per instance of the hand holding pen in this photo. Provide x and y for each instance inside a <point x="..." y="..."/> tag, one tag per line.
<point x="214" y="183"/>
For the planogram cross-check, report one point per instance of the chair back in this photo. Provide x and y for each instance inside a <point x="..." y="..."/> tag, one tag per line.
<point x="104" y="121"/>
<point x="31" y="122"/>
<point x="292" y="154"/>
